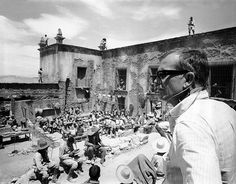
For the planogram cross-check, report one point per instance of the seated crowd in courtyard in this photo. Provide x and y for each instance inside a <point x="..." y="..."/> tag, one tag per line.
<point x="201" y="147"/>
<point x="74" y="126"/>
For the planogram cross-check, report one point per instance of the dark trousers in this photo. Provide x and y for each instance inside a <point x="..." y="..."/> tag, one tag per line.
<point x="143" y="170"/>
<point x="100" y="152"/>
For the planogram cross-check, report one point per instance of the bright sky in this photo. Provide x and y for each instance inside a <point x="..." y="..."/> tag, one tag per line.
<point x="85" y="22"/>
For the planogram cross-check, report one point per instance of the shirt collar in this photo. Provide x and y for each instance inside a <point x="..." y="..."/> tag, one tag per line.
<point x="184" y="105"/>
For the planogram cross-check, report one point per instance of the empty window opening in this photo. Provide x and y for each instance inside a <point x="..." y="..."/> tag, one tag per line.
<point x="221" y="81"/>
<point x="121" y="79"/>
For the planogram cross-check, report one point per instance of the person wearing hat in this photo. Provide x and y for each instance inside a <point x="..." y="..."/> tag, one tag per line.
<point x="69" y="157"/>
<point x="43" y="167"/>
<point x="94" y="145"/>
<point x="161" y="147"/>
<point x="140" y="170"/>
<point x="124" y="174"/>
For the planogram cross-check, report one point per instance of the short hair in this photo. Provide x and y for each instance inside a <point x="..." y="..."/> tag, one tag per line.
<point x="94" y="172"/>
<point x="193" y="60"/>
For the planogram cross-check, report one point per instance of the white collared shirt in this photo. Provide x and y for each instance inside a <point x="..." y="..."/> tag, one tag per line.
<point x="204" y="141"/>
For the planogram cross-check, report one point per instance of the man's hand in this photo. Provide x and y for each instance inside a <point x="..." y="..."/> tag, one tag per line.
<point x="72" y="153"/>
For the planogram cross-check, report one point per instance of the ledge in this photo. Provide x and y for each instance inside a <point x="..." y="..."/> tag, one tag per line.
<point x="226" y="36"/>
<point x="55" y="48"/>
<point x="29" y="86"/>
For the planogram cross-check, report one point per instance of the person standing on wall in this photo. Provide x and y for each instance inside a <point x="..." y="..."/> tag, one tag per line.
<point x="46" y="40"/>
<point x="191" y="26"/>
<point x="102" y="45"/>
<point x="40" y="73"/>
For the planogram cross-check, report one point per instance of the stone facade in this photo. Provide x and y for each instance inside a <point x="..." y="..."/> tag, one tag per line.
<point x="119" y="78"/>
<point x="60" y="62"/>
<point x="24" y="100"/>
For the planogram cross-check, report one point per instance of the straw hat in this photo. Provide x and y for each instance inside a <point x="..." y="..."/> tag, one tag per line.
<point x="124" y="174"/>
<point x="161" y="145"/>
<point x="93" y="130"/>
<point x="42" y="144"/>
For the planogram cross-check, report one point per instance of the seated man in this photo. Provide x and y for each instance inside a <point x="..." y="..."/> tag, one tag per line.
<point x="69" y="157"/>
<point x="94" y="174"/>
<point x="161" y="147"/>
<point x="139" y="170"/>
<point x="43" y="168"/>
<point x="94" y="145"/>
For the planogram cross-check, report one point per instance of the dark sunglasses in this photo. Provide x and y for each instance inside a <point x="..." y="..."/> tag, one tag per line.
<point x="163" y="73"/>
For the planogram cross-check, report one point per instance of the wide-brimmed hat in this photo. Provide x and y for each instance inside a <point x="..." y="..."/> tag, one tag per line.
<point x="124" y="174"/>
<point x="42" y="144"/>
<point x="161" y="145"/>
<point x="93" y="130"/>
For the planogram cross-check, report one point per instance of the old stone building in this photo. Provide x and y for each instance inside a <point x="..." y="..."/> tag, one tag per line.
<point x="124" y="78"/>
<point x="121" y="78"/>
<point x="27" y="100"/>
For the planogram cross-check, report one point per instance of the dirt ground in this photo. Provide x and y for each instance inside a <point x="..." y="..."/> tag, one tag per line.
<point x="15" y="166"/>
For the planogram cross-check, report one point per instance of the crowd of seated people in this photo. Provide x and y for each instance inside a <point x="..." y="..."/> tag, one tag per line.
<point x="73" y="124"/>
<point x="109" y="122"/>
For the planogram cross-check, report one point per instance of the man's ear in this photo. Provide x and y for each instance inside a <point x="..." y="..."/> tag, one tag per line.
<point x="190" y="78"/>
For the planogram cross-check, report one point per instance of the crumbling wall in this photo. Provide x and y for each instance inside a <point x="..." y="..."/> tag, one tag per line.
<point x="220" y="47"/>
<point x="27" y="108"/>
<point x="25" y="99"/>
